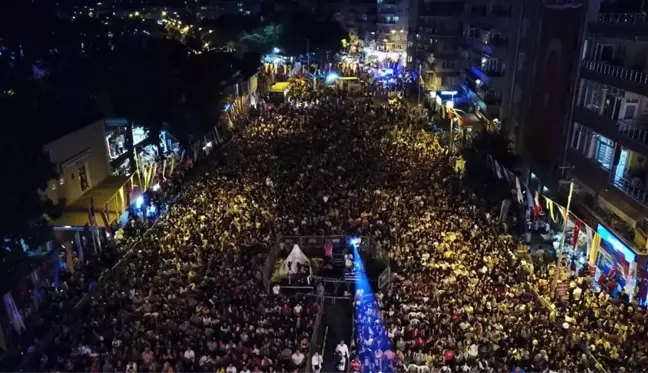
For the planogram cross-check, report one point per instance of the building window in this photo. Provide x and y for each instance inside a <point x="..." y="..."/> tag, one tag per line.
<point x="604" y="152"/>
<point x="84" y="184"/>
<point x="396" y="18"/>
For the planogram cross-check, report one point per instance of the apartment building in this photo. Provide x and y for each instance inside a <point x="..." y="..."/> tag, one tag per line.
<point x="489" y="51"/>
<point x="392" y="25"/>
<point x="607" y="144"/>
<point x="436" y="35"/>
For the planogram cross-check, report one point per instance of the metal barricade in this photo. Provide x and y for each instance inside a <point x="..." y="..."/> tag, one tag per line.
<point x="314" y="342"/>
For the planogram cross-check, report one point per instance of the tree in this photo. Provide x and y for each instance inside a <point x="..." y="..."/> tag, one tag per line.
<point x="25" y="211"/>
<point x="303" y="31"/>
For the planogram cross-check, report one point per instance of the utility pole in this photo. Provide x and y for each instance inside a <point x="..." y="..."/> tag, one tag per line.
<point x="554" y="282"/>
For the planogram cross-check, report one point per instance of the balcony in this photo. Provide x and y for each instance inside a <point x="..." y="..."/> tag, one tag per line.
<point x="623" y="131"/>
<point x="626" y="25"/>
<point x="636" y="191"/>
<point x="617" y="76"/>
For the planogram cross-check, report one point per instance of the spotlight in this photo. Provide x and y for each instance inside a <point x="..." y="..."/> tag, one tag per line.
<point x="139" y="202"/>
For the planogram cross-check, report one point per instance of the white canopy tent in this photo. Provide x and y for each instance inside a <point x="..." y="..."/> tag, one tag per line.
<point x="296" y="256"/>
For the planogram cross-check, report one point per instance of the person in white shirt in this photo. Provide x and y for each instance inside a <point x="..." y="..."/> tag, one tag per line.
<point x="190" y="355"/>
<point x="298" y="309"/>
<point x="316" y="362"/>
<point x="343" y="350"/>
<point x="298" y="358"/>
<point x="276" y="289"/>
<point x="230" y="369"/>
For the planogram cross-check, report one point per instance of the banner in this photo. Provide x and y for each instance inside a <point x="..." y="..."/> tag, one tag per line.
<point x="552" y="79"/>
<point x="551" y="211"/>
<point x="596" y="244"/>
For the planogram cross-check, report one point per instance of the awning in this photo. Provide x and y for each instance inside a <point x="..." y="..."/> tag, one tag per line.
<point x="75" y="214"/>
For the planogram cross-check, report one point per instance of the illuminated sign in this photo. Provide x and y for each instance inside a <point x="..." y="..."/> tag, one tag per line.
<point x="616" y="244"/>
<point x="448" y="93"/>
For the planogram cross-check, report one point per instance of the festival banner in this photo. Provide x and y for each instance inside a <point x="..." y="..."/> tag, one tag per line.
<point x="594" y="248"/>
<point x="164" y="169"/>
<point x="578" y="224"/>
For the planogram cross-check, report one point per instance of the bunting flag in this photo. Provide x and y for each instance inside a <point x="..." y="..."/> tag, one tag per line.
<point x="164" y="169"/>
<point x="92" y="221"/>
<point x="172" y="166"/>
<point x="506" y="204"/>
<point x="562" y="212"/>
<point x="79" y="245"/>
<point x="498" y="169"/>
<point x="182" y="155"/>
<point x="551" y="210"/>
<point x="578" y="225"/>
<point x="529" y="198"/>
<point x="590" y="235"/>
<point x="536" y="205"/>
<point x="520" y="198"/>
<point x="490" y="162"/>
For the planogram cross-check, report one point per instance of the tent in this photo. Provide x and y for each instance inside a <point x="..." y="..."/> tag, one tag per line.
<point x="289" y="265"/>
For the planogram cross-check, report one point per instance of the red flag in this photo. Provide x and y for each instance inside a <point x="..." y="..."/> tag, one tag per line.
<point x="577" y="228"/>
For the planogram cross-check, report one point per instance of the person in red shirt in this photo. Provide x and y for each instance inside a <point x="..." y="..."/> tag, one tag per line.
<point x="355" y="365"/>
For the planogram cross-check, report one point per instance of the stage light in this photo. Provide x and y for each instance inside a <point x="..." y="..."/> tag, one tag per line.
<point x="355" y="241"/>
<point x="156" y="187"/>
<point x="331" y="77"/>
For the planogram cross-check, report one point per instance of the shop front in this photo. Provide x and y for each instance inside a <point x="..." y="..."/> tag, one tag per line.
<point x="615" y="260"/>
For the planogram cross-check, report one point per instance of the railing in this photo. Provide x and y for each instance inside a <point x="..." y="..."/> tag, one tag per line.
<point x="617" y="71"/>
<point x="623" y="18"/>
<point x="629" y="129"/>
<point x="636" y="192"/>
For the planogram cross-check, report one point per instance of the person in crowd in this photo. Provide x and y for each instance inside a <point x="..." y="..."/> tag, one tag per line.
<point x="191" y="297"/>
<point x="316" y="362"/>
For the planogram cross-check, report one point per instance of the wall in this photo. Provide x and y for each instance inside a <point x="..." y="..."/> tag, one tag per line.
<point x="84" y="147"/>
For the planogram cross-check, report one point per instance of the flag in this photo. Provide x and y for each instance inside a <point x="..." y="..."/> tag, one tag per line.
<point x="172" y="166"/>
<point x="182" y="155"/>
<point x="520" y="198"/>
<point x="92" y="221"/>
<point x="498" y="169"/>
<point x="590" y="235"/>
<point x="506" y="204"/>
<point x="536" y="205"/>
<point x="164" y="169"/>
<point x="79" y="245"/>
<point x="529" y="198"/>
<point x="106" y="222"/>
<point x="577" y="228"/>
<point x="550" y="208"/>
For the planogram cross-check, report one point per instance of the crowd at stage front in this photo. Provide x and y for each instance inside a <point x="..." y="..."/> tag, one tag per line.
<point x="191" y="299"/>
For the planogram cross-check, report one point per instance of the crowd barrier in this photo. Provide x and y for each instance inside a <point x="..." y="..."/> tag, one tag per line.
<point x="314" y="342"/>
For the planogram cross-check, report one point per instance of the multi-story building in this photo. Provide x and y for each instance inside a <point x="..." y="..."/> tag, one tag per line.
<point x="436" y="35"/>
<point x="491" y="32"/>
<point x="607" y="143"/>
<point x="392" y="25"/>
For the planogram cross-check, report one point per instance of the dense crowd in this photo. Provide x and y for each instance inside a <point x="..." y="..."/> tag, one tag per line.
<point x="191" y="297"/>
